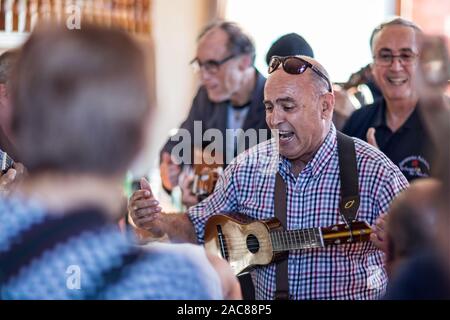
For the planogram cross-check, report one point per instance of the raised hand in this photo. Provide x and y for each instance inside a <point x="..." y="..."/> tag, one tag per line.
<point x="378" y="237"/>
<point x="370" y="136"/>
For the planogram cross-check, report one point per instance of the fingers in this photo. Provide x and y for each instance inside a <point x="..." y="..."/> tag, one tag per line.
<point x="143" y="222"/>
<point x="12" y="178"/>
<point x="166" y="158"/>
<point x="169" y="172"/>
<point x="186" y="182"/>
<point x="174" y="173"/>
<point x="378" y="237"/>
<point x="189" y="199"/>
<point x="142" y="205"/>
<point x="370" y="136"/>
<point x="174" y="170"/>
<point x="231" y="288"/>
<point x="8" y="181"/>
<point x="144" y="209"/>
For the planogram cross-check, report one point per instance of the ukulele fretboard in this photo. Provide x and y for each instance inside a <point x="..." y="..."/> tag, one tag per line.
<point x="5" y="161"/>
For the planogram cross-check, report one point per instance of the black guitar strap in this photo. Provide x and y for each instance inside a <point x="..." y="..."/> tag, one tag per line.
<point x="5" y="162"/>
<point x="348" y="174"/>
<point x="348" y="206"/>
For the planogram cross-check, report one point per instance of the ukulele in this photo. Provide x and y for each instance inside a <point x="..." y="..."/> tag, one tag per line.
<point x="247" y="243"/>
<point x="5" y="162"/>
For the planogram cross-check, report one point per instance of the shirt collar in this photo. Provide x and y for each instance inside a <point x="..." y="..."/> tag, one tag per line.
<point x="320" y="160"/>
<point x="380" y="116"/>
<point x="412" y="122"/>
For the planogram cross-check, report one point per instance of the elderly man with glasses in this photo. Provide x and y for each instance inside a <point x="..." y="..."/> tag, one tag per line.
<point x="230" y="96"/>
<point x="393" y="124"/>
<point x="301" y="165"/>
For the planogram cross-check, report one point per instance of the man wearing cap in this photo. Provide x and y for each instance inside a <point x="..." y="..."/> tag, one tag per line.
<point x="11" y="177"/>
<point x="230" y="97"/>
<point x="299" y="102"/>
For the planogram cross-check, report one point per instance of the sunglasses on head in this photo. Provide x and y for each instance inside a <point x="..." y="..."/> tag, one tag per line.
<point x="296" y="65"/>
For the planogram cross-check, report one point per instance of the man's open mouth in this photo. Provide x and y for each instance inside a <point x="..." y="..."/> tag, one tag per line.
<point x="397" y="81"/>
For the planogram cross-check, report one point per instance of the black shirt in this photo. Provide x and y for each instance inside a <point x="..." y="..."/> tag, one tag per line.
<point x="410" y="147"/>
<point x="422" y="276"/>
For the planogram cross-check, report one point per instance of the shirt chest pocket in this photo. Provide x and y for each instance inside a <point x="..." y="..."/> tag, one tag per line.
<point x="257" y="201"/>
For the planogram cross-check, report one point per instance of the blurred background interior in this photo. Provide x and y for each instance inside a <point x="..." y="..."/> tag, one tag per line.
<point x="337" y="30"/>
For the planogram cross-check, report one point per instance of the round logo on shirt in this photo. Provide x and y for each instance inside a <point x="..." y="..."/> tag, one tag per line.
<point x="415" y="166"/>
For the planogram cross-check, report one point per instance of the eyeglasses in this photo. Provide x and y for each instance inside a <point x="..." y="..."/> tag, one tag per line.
<point x="385" y="59"/>
<point x="211" y="66"/>
<point x="296" y="65"/>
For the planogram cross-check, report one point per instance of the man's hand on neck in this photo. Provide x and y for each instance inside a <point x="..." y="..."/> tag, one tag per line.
<point x="63" y="192"/>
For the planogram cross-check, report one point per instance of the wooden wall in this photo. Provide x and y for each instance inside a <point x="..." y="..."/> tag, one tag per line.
<point x="22" y="15"/>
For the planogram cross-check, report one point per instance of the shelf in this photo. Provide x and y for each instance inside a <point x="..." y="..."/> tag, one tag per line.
<point x="9" y="40"/>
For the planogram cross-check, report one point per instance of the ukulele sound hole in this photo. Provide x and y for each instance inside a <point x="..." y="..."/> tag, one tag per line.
<point x="252" y="243"/>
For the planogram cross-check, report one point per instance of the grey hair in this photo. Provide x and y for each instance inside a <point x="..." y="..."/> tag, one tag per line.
<point x="238" y="41"/>
<point x="80" y="100"/>
<point x="7" y="60"/>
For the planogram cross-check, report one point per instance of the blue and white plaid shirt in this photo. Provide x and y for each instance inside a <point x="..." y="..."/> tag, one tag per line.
<point x="351" y="271"/>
